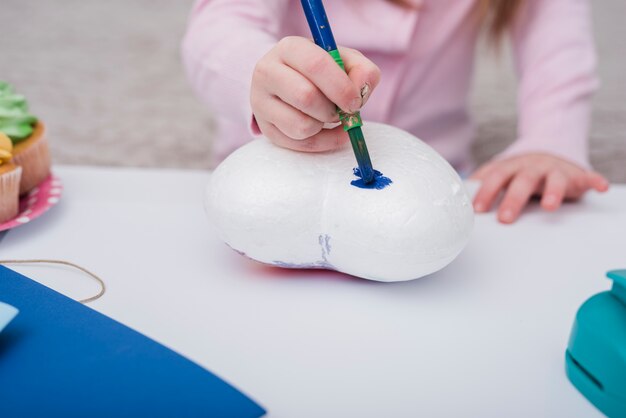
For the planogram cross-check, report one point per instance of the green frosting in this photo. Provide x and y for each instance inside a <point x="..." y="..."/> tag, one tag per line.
<point x="15" y="121"/>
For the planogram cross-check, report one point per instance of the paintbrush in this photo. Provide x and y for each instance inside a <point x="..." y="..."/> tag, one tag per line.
<point x="323" y="37"/>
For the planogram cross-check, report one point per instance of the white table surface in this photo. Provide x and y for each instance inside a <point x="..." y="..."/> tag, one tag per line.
<point x="484" y="337"/>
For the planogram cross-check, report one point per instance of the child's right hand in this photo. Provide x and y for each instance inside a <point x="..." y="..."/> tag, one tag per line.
<point x="296" y="86"/>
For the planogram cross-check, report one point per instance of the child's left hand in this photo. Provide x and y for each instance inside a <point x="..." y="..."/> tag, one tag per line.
<point x="521" y="177"/>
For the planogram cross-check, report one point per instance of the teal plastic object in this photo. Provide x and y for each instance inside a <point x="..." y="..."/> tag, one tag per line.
<point x="595" y="361"/>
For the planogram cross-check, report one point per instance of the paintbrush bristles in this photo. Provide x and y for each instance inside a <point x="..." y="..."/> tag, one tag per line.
<point x="362" y="155"/>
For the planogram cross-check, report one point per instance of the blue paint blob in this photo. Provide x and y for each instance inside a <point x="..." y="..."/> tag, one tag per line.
<point x="379" y="182"/>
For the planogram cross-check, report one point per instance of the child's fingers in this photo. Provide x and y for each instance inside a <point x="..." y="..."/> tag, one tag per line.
<point x="482" y="172"/>
<point x="325" y="140"/>
<point x="289" y="120"/>
<point x="363" y="72"/>
<point x="321" y="69"/>
<point x="597" y="181"/>
<point x="522" y="187"/>
<point x="296" y="90"/>
<point x="554" y="191"/>
<point x="577" y="185"/>
<point x="491" y="186"/>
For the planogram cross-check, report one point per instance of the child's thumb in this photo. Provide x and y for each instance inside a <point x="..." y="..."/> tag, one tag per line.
<point x="362" y="72"/>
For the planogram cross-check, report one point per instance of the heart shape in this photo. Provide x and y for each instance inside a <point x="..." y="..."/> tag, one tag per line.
<point x="304" y="210"/>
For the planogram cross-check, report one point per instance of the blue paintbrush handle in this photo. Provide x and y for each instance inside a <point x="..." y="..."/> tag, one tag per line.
<point x="323" y="37"/>
<point x="318" y="23"/>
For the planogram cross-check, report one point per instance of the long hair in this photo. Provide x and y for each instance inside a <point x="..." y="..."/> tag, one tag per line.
<point x="498" y="15"/>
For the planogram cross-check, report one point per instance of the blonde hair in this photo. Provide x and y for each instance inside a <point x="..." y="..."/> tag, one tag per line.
<point x="498" y="15"/>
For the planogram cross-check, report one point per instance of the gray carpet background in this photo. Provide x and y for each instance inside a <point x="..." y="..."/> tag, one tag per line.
<point x="107" y="79"/>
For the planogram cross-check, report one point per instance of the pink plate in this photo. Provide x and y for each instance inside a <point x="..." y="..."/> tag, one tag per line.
<point x="36" y="202"/>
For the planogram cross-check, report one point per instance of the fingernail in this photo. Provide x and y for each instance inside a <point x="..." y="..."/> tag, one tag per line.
<point x="550" y="200"/>
<point x="605" y="185"/>
<point x="365" y="93"/>
<point x="507" y="215"/>
<point x="479" y="207"/>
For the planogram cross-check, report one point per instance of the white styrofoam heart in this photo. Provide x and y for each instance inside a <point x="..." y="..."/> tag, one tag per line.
<point x="300" y="210"/>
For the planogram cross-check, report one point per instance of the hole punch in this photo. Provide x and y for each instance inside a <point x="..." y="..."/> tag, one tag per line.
<point x="595" y="360"/>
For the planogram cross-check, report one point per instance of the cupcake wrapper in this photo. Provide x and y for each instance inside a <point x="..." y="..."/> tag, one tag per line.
<point x="9" y="193"/>
<point x="35" y="161"/>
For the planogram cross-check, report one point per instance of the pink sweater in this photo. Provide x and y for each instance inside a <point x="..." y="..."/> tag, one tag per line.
<point x="426" y="58"/>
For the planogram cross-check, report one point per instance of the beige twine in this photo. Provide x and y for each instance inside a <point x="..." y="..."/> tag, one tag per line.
<point x="65" y="263"/>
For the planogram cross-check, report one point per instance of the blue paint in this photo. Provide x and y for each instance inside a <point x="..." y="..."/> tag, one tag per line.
<point x="324" y="242"/>
<point x="237" y="251"/>
<point x="327" y="243"/>
<point x="316" y="265"/>
<point x="379" y="182"/>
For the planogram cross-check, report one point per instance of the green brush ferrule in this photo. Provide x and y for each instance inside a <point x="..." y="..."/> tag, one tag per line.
<point x="350" y="120"/>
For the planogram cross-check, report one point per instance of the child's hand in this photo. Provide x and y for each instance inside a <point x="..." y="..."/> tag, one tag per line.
<point x="551" y="177"/>
<point x="295" y="87"/>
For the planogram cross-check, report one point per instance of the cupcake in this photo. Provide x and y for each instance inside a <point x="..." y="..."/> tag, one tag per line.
<point x="30" y="147"/>
<point x="10" y="176"/>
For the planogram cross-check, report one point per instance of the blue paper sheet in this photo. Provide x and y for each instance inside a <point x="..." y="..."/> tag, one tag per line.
<point x="61" y="358"/>
<point x="7" y="313"/>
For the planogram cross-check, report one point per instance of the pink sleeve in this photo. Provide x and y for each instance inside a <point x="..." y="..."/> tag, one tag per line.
<point x="224" y="41"/>
<point x="555" y="62"/>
